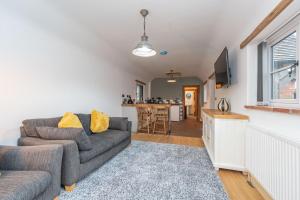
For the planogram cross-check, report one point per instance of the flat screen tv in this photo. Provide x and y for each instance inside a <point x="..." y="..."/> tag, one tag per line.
<point x="222" y="70"/>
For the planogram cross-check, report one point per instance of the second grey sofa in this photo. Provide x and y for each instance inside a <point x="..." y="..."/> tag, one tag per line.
<point x="30" y="173"/>
<point x="77" y="164"/>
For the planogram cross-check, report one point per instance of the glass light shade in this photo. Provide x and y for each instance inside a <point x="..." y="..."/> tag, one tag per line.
<point x="144" y="49"/>
<point x="171" y="81"/>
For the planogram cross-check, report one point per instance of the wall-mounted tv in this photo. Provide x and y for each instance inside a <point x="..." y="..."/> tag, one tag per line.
<point x="222" y="70"/>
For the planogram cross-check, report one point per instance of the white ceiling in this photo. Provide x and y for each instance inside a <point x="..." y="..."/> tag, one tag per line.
<point x="194" y="32"/>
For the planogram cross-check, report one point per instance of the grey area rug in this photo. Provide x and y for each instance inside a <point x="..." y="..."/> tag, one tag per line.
<point x="152" y="171"/>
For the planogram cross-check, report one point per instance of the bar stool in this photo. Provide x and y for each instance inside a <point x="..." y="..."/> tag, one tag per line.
<point x="161" y="119"/>
<point x="144" y="119"/>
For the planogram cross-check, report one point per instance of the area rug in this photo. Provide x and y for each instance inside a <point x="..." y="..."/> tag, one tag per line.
<point x="152" y="171"/>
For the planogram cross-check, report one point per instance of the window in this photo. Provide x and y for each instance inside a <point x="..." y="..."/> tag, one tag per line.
<point x="278" y="71"/>
<point x="284" y="68"/>
<point x="139" y="92"/>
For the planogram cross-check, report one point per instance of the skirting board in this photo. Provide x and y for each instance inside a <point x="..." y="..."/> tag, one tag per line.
<point x="255" y="183"/>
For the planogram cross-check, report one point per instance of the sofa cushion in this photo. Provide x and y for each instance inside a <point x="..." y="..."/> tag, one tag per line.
<point x="85" y="120"/>
<point x="99" y="121"/>
<point x="116" y="136"/>
<point x="118" y="123"/>
<point x="31" y="124"/>
<point x="23" y="185"/>
<point x="69" y="120"/>
<point x="99" y="146"/>
<point x="76" y="134"/>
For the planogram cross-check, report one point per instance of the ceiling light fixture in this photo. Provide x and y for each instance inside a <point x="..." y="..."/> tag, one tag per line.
<point x="173" y="80"/>
<point x="172" y="76"/>
<point x="144" y="48"/>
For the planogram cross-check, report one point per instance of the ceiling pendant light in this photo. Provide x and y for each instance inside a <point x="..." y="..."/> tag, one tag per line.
<point x="144" y="48"/>
<point x="171" y="76"/>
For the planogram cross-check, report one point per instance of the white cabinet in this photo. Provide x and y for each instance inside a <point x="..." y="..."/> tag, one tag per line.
<point x="131" y="113"/>
<point x="224" y="139"/>
<point x="176" y="113"/>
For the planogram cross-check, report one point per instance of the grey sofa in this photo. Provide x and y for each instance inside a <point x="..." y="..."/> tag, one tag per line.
<point x="77" y="164"/>
<point x="29" y="173"/>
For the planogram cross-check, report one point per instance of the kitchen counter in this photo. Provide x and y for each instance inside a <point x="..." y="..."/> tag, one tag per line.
<point x="145" y="105"/>
<point x="224" y="115"/>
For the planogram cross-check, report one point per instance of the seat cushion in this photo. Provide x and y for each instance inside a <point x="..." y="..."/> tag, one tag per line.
<point x="115" y="136"/>
<point x="23" y="185"/>
<point x="99" y="146"/>
<point x="102" y="143"/>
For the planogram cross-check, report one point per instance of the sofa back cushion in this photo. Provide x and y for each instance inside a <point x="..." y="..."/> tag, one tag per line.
<point x="31" y="124"/>
<point x="76" y="134"/>
<point x="85" y="120"/>
<point x="118" y="123"/>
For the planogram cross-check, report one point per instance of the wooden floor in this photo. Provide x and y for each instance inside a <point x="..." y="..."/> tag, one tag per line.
<point x="187" y="128"/>
<point x="235" y="182"/>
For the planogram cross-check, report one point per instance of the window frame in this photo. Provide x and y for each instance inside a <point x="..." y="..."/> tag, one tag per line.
<point x="271" y="41"/>
<point x="142" y="94"/>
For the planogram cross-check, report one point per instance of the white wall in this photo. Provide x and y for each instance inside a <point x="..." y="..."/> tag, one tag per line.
<point x="50" y="65"/>
<point x="242" y="91"/>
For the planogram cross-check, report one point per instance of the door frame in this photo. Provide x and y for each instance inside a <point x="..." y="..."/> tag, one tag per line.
<point x="197" y="98"/>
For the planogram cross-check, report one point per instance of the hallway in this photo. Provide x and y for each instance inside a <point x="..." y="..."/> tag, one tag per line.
<point x="187" y="128"/>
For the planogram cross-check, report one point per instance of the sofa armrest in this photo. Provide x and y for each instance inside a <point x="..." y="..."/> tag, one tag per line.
<point x="70" y="161"/>
<point x="30" y="158"/>
<point x="43" y="158"/>
<point x="129" y="127"/>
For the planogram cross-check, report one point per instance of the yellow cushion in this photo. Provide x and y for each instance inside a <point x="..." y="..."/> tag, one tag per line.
<point x="99" y="121"/>
<point x="69" y="120"/>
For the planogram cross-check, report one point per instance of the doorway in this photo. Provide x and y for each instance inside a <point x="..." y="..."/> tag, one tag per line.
<point x="190" y="100"/>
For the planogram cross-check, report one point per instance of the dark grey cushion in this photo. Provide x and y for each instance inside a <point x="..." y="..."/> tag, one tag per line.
<point x="23" y="185"/>
<point x="76" y="134"/>
<point x="115" y="136"/>
<point x="118" y="123"/>
<point x="85" y="120"/>
<point x="31" y="124"/>
<point x="100" y="145"/>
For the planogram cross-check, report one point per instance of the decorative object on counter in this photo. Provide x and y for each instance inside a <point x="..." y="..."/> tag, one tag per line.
<point x="124" y="99"/>
<point x="223" y="105"/>
<point x="129" y="101"/>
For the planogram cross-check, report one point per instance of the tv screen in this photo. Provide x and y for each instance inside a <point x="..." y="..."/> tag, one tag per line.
<point x="222" y="70"/>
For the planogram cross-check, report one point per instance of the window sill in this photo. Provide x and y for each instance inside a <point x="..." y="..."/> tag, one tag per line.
<point x="275" y="109"/>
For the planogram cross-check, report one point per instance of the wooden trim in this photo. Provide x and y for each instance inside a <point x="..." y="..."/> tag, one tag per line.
<point x="204" y="82"/>
<point x="255" y="183"/>
<point x="275" y="109"/>
<point x="140" y="82"/>
<point x="266" y="21"/>
<point x="70" y="188"/>
<point x="198" y="108"/>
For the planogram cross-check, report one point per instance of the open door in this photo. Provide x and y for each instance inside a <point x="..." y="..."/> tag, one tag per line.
<point x="190" y="99"/>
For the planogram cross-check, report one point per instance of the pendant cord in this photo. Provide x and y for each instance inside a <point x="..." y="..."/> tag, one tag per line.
<point x="144" y="25"/>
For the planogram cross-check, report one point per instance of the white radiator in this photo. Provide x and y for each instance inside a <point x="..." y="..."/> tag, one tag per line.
<point x="275" y="163"/>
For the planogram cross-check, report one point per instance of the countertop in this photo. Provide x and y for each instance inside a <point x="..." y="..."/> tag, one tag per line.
<point x="224" y="115"/>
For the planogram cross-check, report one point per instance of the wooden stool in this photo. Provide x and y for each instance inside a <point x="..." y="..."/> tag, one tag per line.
<point x="161" y="119"/>
<point x="144" y="119"/>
